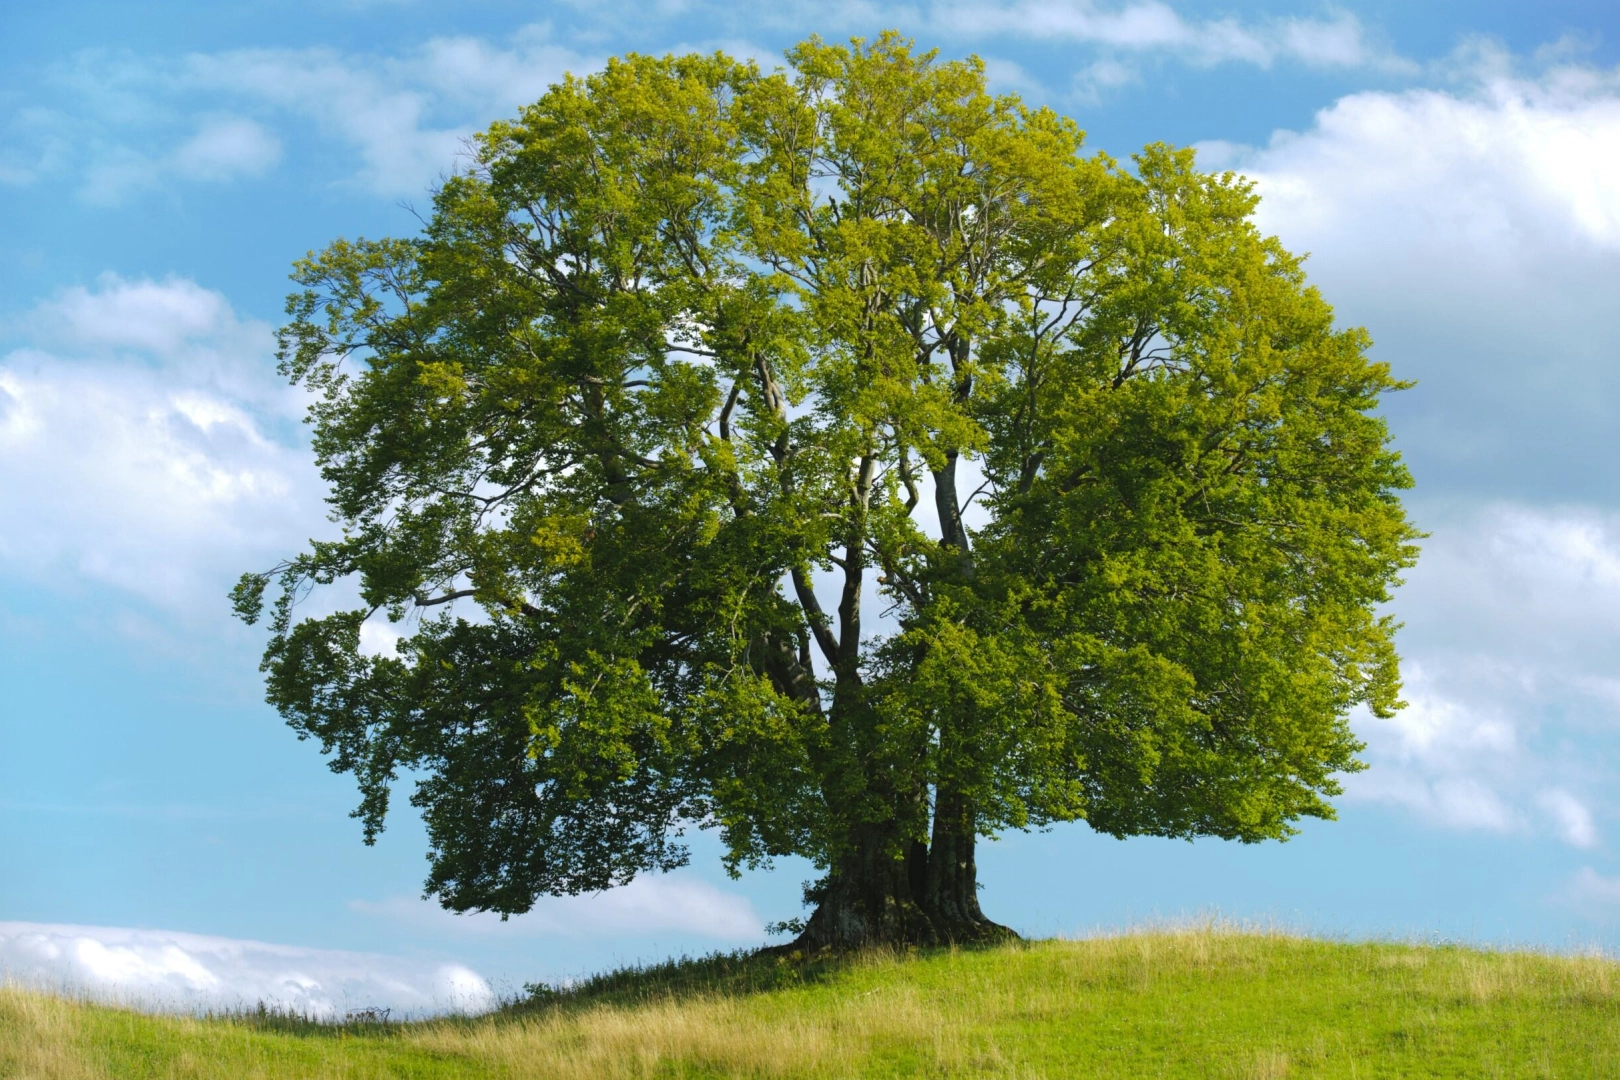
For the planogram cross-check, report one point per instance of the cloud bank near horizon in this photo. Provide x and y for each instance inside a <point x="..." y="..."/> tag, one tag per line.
<point x="173" y="971"/>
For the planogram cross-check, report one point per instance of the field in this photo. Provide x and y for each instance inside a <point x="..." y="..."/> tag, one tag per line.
<point x="1184" y="1003"/>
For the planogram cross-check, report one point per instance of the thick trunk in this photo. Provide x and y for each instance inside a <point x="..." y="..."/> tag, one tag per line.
<point x="867" y="902"/>
<point x="928" y="897"/>
<point x="951" y="894"/>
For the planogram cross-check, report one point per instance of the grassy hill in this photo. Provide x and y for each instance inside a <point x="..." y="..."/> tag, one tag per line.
<point x="1194" y="1003"/>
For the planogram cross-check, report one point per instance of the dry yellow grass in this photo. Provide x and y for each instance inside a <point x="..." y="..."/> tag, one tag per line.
<point x="38" y="1037"/>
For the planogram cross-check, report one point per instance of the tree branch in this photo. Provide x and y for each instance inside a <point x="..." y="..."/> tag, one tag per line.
<point x="459" y="594"/>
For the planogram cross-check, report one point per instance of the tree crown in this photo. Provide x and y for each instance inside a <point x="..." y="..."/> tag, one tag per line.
<point x="697" y="361"/>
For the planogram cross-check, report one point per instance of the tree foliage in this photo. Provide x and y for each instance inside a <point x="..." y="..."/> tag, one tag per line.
<point x="699" y="362"/>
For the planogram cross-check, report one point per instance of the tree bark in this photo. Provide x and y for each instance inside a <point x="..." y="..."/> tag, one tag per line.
<point x="951" y="894"/>
<point x="867" y="902"/>
<point x="929" y="895"/>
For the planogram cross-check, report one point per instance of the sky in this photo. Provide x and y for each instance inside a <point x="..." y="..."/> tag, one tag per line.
<point x="1453" y="169"/>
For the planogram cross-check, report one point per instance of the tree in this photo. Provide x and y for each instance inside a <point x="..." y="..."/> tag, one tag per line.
<point x="698" y="361"/>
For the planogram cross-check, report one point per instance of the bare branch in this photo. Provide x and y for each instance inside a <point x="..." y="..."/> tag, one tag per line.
<point x="424" y="601"/>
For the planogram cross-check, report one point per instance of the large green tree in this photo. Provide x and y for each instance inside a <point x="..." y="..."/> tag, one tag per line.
<point x="699" y="363"/>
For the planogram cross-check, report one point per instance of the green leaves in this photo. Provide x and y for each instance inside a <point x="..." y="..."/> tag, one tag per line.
<point x="681" y="358"/>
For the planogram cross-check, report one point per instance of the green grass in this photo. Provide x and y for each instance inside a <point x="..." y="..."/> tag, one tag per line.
<point x="1190" y="1003"/>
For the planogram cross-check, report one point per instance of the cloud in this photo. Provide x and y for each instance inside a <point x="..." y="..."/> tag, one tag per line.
<point x="118" y="173"/>
<point x="1441" y="760"/>
<point x="223" y="148"/>
<point x="407" y="116"/>
<point x="1009" y="77"/>
<point x="146" y="442"/>
<point x="648" y="905"/>
<point x="1516" y="164"/>
<point x="1536" y="587"/>
<point x="1153" y="27"/>
<point x="123" y="124"/>
<point x="378" y="638"/>
<point x="226" y="147"/>
<point x="1092" y="81"/>
<point x="35" y="145"/>
<point x="1144" y="28"/>
<point x="1570" y="817"/>
<point x="194" y="972"/>
<point x="1476" y="232"/>
<point x="151" y="316"/>
<point x="139" y="121"/>
<point x="1512" y="623"/>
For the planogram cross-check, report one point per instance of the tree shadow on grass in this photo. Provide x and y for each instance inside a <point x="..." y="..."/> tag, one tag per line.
<point x="718" y="975"/>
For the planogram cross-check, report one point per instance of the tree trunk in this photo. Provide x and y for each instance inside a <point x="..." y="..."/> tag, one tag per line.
<point x="867" y="901"/>
<point x="928" y="897"/>
<point x="951" y="895"/>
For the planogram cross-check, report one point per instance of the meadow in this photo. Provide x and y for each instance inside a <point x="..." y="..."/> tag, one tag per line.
<point x="1198" y="1002"/>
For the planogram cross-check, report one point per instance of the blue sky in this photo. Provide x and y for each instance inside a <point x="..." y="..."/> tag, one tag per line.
<point x="1453" y="168"/>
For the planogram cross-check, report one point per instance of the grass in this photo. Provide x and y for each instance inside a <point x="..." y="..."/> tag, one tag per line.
<point x="1207" y="1002"/>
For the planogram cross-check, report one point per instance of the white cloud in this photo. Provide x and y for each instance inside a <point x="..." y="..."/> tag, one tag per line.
<point x="1538" y="587"/>
<point x="388" y="121"/>
<point x="377" y="638"/>
<point x="1513" y="618"/>
<point x="1476" y="233"/>
<point x="1453" y="802"/>
<point x="1149" y="26"/>
<point x="226" y="147"/>
<point x="648" y="905"/>
<point x="1009" y="77"/>
<point x="154" y="316"/>
<point x="146" y="442"/>
<point x="1106" y="74"/>
<point x="1442" y="761"/>
<point x="117" y="173"/>
<point x="1515" y="164"/>
<point x="34" y="145"/>
<point x="1570" y="816"/>
<point x="192" y="972"/>
<point x="408" y="116"/>
<point x="222" y="148"/>
<point x="133" y="124"/>
<point x="1142" y="28"/>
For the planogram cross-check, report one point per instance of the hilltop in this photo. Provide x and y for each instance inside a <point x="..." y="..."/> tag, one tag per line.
<point x="1186" y="1003"/>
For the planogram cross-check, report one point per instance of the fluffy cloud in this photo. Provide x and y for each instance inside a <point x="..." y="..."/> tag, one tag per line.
<point x="194" y="972"/>
<point x="222" y="148"/>
<point x="648" y="905"/>
<point x="1513" y="618"/>
<point x="1514" y="165"/>
<point x="1569" y="817"/>
<point x="1476" y="232"/>
<point x="146" y="442"/>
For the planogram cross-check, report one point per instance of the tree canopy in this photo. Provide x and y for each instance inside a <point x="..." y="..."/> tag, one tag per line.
<point x="841" y="458"/>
